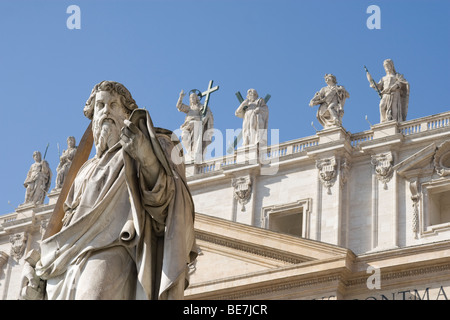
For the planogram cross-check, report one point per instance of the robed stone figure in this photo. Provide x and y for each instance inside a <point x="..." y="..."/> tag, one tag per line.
<point x="65" y="160"/>
<point x="38" y="180"/>
<point x="197" y="129"/>
<point x="128" y="227"/>
<point x="331" y="100"/>
<point x="394" y="91"/>
<point x="255" y="114"/>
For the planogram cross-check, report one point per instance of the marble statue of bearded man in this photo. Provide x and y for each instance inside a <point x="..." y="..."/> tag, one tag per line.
<point x="128" y="227"/>
<point x="255" y="113"/>
<point x="395" y="94"/>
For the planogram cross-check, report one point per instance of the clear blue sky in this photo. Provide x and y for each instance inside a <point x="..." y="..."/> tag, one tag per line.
<point x="157" y="48"/>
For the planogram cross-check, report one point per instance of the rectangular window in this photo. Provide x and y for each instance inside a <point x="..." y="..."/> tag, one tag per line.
<point x="436" y="206"/>
<point x="287" y="222"/>
<point x="290" y="218"/>
<point x="439" y="206"/>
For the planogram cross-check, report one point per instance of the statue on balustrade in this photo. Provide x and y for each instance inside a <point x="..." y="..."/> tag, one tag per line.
<point x="393" y="90"/>
<point x="255" y="113"/>
<point x="197" y="127"/>
<point x="65" y="161"/>
<point x="38" y="180"/>
<point x="331" y="100"/>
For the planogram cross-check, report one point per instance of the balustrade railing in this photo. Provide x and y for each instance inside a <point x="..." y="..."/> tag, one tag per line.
<point x="292" y="147"/>
<point x="360" y="137"/>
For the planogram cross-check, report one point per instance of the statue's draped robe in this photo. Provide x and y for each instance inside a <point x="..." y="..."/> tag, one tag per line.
<point x="113" y="217"/>
<point x="254" y="125"/>
<point x="196" y="139"/>
<point x="331" y="110"/>
<point x="37" y="182"/>
<point x="394" y="105"/>
<point x="64" y="165"/>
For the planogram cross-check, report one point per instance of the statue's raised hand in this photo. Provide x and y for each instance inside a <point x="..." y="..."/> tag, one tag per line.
<point x="136" y="144"/>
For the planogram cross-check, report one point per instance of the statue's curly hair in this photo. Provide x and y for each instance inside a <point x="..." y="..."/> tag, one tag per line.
<point x="332" y="76"/>
<point x="111" y="86"/>
<point x="391" y="63"/>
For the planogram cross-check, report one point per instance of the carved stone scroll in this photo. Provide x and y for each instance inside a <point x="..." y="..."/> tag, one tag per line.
<point x="344" y="171"/>
<point x="415" y="197"/>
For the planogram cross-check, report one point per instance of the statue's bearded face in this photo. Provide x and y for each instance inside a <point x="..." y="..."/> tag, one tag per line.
<point x="109" y="115"/>
<point x="252" y="95"/>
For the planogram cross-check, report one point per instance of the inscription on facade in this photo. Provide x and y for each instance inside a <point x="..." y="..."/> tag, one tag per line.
<point x="428" y="293"/>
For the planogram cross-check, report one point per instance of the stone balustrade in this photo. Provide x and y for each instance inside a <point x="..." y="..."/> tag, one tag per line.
<point x="289" y="148"/>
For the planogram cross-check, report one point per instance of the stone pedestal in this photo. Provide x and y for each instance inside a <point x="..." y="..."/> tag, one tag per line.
<point x="247" y="155"/>
<point x="385" y="129"/>
<point x="331" y="135"/>
<point x="25" y="210"/>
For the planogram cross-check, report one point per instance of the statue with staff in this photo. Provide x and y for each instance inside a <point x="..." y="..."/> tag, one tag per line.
<point x="65" y="160"/>
<point x="38" y="180"/>
<point x="393" y="91"/>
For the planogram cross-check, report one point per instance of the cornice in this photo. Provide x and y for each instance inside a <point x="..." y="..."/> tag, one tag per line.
<point x="217" y="229"/>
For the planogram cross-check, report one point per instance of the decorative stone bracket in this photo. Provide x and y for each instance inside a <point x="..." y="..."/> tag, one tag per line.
<point x="18" y="245"/>
<point x="383" y="164"/>
<point x="327" y="172"/>
<point x="344" y="171"/>
<point x="242" y="190"/>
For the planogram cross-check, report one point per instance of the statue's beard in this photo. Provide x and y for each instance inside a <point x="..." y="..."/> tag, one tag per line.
<point x="106" y="134"/>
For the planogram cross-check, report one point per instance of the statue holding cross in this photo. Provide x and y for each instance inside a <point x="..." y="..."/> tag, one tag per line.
<point x="197" y="129"/>
<point x="38" y="180"/>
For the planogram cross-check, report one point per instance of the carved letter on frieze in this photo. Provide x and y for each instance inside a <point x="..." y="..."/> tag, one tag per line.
<point x="18" y="245"/>
<point x="383" y="167"/>
<point x="327" y="172"/>
<point x="415" y="197"/>
<point x="242" y="190"/>
<point x="442" y="159"/>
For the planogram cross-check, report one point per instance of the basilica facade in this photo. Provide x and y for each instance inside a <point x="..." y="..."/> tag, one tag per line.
<point x="337" y="215"/>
